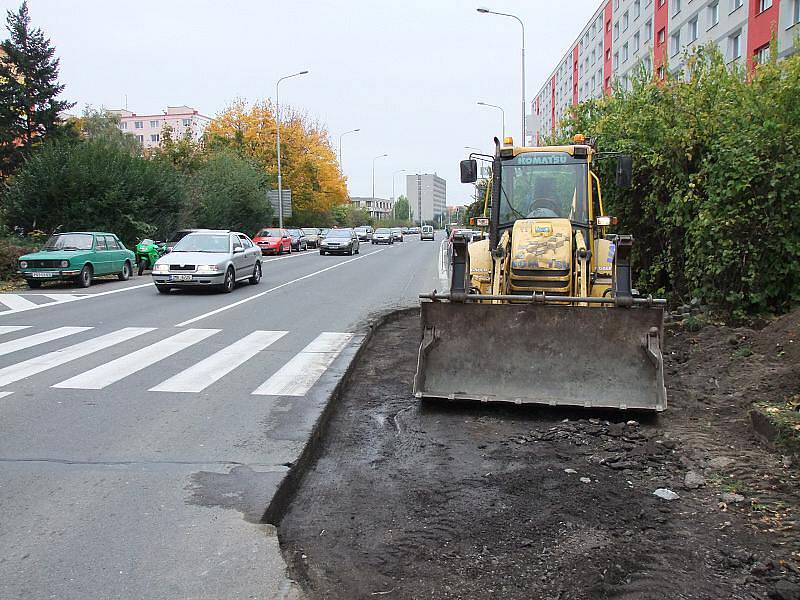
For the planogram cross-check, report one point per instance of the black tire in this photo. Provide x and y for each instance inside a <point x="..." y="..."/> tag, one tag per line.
<point x="230" y="281"/>
<point x="321" y="252"/>
<point x="256" y="274"/>
<point x="280" y="250"/>
<point x="85" y="276"/>
<point x="358" y="249"/>
<point x="163" y="289"/>
<point x="142" y="267"/>
<point x="34" y="285"/>
<point x="126" y="272"/>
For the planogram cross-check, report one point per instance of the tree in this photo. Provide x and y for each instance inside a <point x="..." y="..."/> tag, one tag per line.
<point x="402" y="210"/>
<point x="231" y="194"/>
<point x="29" y="89"/>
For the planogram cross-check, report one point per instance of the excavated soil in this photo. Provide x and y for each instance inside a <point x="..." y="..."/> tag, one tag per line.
<point x="410" y="500"/>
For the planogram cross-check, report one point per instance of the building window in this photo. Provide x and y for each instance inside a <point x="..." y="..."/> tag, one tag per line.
<point x="608" y="82"/>
<point x="637" y="9"/>
<point x="608" y="54"/>
<point x="735" y="42"/>
<point x="625" y="21"/>
<point x="140" y="138"/>
<point x="137" y="124"/>
<point x="764" y="5"/>
<point x="187" y="122"/>
<point x="648" y="65"/>
<point x="693" y="29"/>
<point x="736" y="4"/>
<point x="648" y="30"/>
<point x="762" y="54"/>
<point x="616" y="60"/>
<point x="662" y="36"/>
<point x="123" y="125"/>
<point x="796" y="12"/>
<point x="625" y="52"/>
<point x="676" y="6"/>
<point x="662" y="73"/>
<point x="616" y="30"/>
<point x="153" y="123"/>
<point x="608" y="26"/>
<point x="154" y="137"/>
<point x="661" y="3"/>
<point x="636" y="42"/>
<point x="675" y="43"/>
<point x="713" y="14"/>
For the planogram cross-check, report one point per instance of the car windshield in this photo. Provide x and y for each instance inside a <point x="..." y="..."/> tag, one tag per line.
<point x="382" y="230"/>
<point x="269" y="233"/>
<point x="146" y="242"/>
<point x="310" y="231"/>
<point x="539" y="185"/>
<point x="362" y="229"/>
<point x="295" y="232"/>
<point x="339" y="233"/>
<point x="70" y="241"/>
<point x="198" y="242"/>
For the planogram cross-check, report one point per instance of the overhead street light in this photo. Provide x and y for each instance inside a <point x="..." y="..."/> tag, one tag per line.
<point x="373" y="172"/>
<point x="278" y="123"/>
<point x="502" y="117"/>
<point x="341" y="135"/>
<point x="486" y="11"/>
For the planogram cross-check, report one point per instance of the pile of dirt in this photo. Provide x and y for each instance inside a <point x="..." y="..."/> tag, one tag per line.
<point x="410" y="500"/>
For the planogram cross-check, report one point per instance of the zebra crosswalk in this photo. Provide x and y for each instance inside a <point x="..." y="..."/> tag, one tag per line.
<point x="20" y="302"/>
<point x="293" y="378"/>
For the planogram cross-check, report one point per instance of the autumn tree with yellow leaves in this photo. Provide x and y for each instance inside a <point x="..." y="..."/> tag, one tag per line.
<point x="308" y="162"/>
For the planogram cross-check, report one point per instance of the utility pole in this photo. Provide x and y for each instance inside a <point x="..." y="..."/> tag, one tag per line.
<point x="278" y="125"/>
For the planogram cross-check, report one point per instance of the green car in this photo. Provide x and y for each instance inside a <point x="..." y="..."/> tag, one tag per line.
<point x="77" y="256"/>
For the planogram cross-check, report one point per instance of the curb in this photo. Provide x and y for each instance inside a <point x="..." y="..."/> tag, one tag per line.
<point x="341" y="370"/>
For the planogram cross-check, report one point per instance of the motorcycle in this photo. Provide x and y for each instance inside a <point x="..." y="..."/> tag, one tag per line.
<point x="148" y="252"/>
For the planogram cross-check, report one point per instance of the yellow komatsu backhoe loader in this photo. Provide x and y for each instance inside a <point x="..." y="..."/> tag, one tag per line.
<point x="543" y="311"/>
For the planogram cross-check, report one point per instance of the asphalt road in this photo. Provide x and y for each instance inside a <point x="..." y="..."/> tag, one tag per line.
<point x="119" y="406"/>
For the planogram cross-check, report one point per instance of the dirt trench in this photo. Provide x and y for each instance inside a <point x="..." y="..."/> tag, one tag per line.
<point x="410" y="500"/>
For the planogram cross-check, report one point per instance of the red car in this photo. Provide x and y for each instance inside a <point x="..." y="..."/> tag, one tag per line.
<point x="273" y="241"/>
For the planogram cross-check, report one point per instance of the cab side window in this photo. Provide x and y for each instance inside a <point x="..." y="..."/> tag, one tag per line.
<point x="101" y="243"/>
<point x="112" y="243"/>
<point x="245" y="241"/>
<point x="236" y="242"/>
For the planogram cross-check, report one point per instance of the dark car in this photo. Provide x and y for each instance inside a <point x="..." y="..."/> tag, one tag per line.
<point x="299" y="240"/>
<point x="312" y="236"/>
<point x="340" y="241"/>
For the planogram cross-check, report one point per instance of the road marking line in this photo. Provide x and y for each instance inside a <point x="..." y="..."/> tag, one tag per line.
<point x="39" y="338"/>
<point x="4" y="394"/>
<point x="16" y="302"/>
<point x="198" y="377"/>
<point x="12" y="328"/>
<point x="298" y="375"/>
<point x="124" y="366"/>
<point x="74" y="299"/>
<point x="63" y="297"/>
<point x="293" y="255"/>
<point x="277" y="287"/>
<point x="44" y="362"/>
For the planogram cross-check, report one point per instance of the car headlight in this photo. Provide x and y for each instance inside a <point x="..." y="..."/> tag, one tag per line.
<point x="161" y="268"/>
<point x="23" y="264"/>
<point x="64" y="264"/>
<point x="207" y="268"/>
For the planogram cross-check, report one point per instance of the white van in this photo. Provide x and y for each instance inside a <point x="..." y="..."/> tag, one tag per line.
<point x="426" y="233"/>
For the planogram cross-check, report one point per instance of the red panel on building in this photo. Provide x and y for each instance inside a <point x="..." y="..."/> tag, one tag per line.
<point x="608" y="67"/>
<point x="661" y="33"/>
<point x="760" y="27"/>
<point x="575" y="75"/>
<point x="553" y="102"/>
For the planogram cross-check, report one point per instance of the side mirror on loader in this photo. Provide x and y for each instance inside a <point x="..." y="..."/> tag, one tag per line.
<point x="624" y="172"/>
<point x="469" y="171"/>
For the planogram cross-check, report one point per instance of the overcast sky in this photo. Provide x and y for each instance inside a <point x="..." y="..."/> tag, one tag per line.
<point x="408" y="73"/>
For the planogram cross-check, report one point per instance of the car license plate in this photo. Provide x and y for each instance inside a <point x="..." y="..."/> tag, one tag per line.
<point x="180" y="277"/>
<point x="43" y="274"/>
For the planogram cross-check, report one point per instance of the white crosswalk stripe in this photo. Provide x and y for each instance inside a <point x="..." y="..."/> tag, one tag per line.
<point x="297" y="376"/>
<point x="211" y="369"/>
<point x="15" y="301"/>
<point x="12" y="328"/>
<point x="38" y="364"/>
<point x="115" y="370"/>
<point x="39" y="338"/>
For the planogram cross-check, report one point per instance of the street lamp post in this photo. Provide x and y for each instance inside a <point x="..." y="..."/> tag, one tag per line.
<point x="278" y="123"/>
<point x="373" y="173"/>
<point x="394" y="199"/>
<point x="502" y="117"/>
<point x="491" y="12"/>
<point x="341" y="135"/>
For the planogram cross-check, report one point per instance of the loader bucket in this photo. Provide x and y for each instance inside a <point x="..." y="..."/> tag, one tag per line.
<point x="558" y="355"/>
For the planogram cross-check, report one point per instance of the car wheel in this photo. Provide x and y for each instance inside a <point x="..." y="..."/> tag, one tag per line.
<point x="358" y="248"/>
<point x="85" y="277"/>
<point x="34" y="285"/>
<point x="256" y="274"/>
<point x="163" y="289"/>
<point x="321" y="252"/>
<point x="125" y="274"/>
<point x="230" y="281"/>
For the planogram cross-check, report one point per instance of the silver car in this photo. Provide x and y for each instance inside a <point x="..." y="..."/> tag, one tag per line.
<point x="312" y="236"/>
<point x="211" y="258"/>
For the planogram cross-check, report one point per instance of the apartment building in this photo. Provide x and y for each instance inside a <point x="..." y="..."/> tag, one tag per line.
<point x="378" y="208"/>
<point x="626" y="36"/>
<point x="427" y="197"/>
<point x="149" y="128"/>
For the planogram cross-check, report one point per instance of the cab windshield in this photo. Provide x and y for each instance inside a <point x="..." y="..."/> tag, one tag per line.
<point x="70" y="241"/>
<point x="544" y="185"/>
